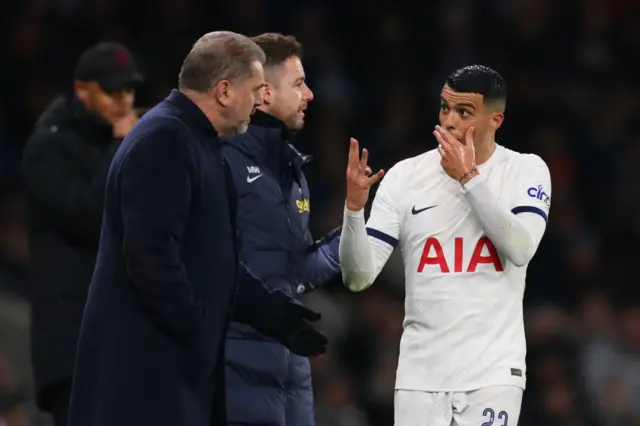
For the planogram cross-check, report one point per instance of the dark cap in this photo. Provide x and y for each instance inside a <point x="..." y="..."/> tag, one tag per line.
<point x="111" y="65"/>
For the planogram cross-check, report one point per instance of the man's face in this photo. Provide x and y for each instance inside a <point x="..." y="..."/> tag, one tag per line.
<point x="288" y="94"/>
<point x="244" y="98"/>
<point x="459" y="111"/>
<point x="111" y="106"/>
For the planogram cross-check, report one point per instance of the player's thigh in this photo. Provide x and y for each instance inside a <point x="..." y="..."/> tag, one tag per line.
<point x="492" y="406"/>
<point x="418" y="408"/>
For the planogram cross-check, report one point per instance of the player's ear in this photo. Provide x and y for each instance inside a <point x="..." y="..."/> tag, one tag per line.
<point x="223" y="92"/>
<point x="497" y="118"/>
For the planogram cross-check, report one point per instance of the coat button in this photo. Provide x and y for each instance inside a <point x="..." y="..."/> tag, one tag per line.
<point x="301" y="288"/>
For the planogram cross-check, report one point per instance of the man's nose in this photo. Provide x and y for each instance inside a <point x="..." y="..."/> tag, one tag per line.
<point x="450" y="121"/>
<point x="308" y="95"/>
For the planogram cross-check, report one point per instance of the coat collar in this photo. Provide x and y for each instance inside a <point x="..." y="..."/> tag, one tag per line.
<point x="192" y="113"/>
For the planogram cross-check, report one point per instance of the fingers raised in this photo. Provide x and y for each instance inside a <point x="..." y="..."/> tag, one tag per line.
<point x="364" y="159"/>
<point x="376" y="178"/>
<point x="354" y="149"/>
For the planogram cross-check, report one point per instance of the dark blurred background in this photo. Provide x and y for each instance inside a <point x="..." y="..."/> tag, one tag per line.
<point x="376" y="70"/>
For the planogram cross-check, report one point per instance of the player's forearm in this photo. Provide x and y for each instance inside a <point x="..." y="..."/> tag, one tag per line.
<point x="515" y="238"/>
<point x="357" y="259"/>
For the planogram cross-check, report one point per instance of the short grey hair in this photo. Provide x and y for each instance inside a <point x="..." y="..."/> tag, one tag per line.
<point x="217" y="56"/>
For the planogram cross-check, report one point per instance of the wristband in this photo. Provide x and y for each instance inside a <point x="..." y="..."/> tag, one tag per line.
<point x="466" y="175"/>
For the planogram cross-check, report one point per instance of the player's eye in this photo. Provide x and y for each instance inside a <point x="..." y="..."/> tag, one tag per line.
<point x="444" y="108"/>
<point x="465" y="113"/>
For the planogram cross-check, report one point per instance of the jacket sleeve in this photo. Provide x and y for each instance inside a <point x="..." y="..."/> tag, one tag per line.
<point x="155" y="193"/>
<point x="72" y="201"/>
<point x="255" y="303"/>
<point x="320" y="263"/>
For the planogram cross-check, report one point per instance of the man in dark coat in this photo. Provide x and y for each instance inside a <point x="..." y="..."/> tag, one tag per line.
<point x="152" y="343"/>
<point x="65" y="165"/>
<point x="276" y="244"/>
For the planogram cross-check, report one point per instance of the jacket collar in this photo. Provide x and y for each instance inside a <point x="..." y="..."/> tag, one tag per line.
<point x="192" y="113"/>
<point x="268" y="121"/>
<point x="272" y="136"/>
<point x="269" y="140"/>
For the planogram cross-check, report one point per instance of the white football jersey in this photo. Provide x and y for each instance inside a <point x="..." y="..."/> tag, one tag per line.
<point x="463" y="327"/>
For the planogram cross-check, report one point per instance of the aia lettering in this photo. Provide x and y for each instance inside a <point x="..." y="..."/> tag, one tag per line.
<point x="432" y="254"/>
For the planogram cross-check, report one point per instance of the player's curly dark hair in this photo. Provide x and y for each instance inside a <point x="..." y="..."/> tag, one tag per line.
<point x="482" y="80"/>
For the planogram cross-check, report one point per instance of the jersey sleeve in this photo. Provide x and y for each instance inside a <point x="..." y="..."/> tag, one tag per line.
<point x="384" y="219"/>
<point x="532" y="192"/>
<point x="365" y="247"/>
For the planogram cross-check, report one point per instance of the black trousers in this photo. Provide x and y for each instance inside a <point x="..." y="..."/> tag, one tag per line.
<point x="54" y="399"/>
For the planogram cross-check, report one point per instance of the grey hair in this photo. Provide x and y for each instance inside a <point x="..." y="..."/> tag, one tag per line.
<point x="217" y="56"/>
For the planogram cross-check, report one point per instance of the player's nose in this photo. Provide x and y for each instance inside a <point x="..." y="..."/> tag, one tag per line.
<point x="449" y="122"/>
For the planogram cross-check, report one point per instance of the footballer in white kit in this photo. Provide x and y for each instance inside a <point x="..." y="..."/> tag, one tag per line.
<point x="468" y="217"/>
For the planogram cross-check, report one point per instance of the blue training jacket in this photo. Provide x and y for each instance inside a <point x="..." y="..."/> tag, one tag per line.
<point x="266" y="384"/>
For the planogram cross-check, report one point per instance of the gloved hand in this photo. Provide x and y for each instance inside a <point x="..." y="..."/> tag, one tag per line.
<point x="290" y="326"/>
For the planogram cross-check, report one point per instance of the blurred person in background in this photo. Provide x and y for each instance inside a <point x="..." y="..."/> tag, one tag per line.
<point x="13" y="398"/>
<point x="276" y="244"/>
<point x="64" y="168"/>
<point x="16" y="371"/>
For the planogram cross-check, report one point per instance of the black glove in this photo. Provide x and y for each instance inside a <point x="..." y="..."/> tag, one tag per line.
<point x="290" y="327"/>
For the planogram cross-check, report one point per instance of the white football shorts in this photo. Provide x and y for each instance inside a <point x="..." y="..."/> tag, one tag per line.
<point x="490" y="406"/>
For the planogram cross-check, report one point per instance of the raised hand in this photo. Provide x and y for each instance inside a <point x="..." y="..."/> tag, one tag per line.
<point x="458" y="159"/>
<point x="123" y="126"/>
<point x="359" y="178"/>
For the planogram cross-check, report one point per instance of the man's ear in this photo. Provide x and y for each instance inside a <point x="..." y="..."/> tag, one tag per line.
<point x="268" y="93"/>
<point x="223" y="92"/>
<point x="497" y="118"/>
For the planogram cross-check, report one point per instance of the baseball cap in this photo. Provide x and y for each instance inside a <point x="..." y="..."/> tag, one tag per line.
<point x="111" y="65"/>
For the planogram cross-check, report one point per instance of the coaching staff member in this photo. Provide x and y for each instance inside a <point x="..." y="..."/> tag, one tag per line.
<point x="152" y="342"/>
<point x="273" y="216"/>
<point x="65" y="165"/>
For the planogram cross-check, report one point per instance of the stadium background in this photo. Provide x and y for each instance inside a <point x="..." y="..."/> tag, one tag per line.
<point x="376" y="70"/>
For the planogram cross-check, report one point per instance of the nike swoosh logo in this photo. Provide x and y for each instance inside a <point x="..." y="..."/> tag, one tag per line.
<point x="414" y="211"/>
<point x="253" y="178"/>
